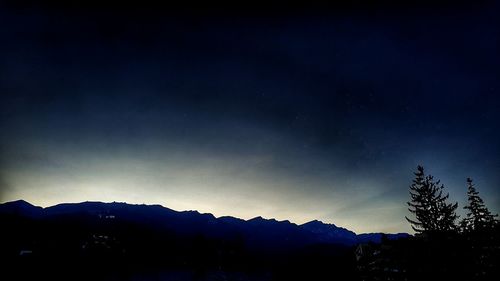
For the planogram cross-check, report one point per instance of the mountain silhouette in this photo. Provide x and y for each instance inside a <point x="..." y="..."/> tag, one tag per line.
<point x="192" y="222"/>
<point x="21" y="207"/>
<point x="108" y="240"/>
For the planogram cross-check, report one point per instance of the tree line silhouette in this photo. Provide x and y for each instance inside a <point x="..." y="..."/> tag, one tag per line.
<point x="468" y="249"/>
<point x="434" y="214"/>
<point x="444" y="246"/>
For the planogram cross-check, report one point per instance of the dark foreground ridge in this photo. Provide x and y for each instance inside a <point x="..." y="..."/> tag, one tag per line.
<point x="119" y="241"/>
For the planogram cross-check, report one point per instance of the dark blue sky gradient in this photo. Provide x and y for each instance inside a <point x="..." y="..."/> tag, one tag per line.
<point x="322" y="113"/>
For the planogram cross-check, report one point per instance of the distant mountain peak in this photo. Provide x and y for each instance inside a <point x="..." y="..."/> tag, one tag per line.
<point x="21" y="207"/>
<point x="329" y="232"/>
<point x="19" y="202"/>
<point x="258" y="218"/>
<point x="318" y="222"/>
<point x="271" y="220"/>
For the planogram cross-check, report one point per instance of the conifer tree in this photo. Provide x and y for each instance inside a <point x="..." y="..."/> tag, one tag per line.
<point x="429" y="205"/>
<point x="478" y="217"/>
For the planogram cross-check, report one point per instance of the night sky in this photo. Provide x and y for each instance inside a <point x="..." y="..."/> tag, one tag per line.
<point x="299" y="114"/>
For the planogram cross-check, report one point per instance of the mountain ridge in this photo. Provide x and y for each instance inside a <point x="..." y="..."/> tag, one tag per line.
<point x="259" y="229"/>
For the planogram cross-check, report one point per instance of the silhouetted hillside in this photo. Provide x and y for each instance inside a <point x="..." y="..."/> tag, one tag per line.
<point x="123" y="241"/>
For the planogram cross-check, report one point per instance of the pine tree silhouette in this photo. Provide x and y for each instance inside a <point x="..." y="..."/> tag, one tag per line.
<point x="478" y="217"/>
<point x="428" y="204"/>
